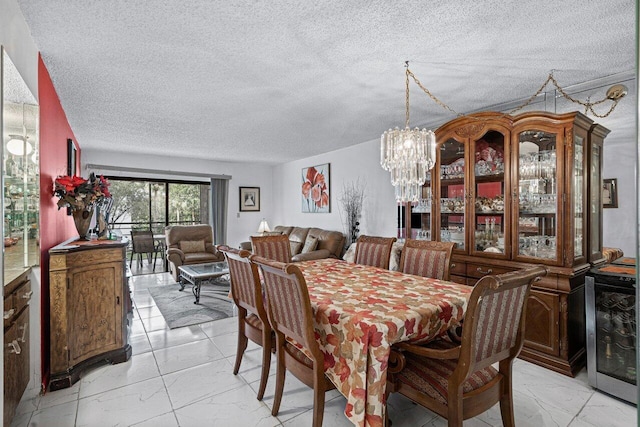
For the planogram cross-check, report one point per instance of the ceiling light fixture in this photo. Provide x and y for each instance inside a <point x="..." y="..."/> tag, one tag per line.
<point x="18" y="145"/>
<point x="408" y="154"/>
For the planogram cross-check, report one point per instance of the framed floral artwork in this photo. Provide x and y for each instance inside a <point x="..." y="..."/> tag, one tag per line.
<point x="315" y="189"/>
<point x="249" y="199"/>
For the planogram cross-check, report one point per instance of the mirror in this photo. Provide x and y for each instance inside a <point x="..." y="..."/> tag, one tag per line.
<point x="20" y="173"/>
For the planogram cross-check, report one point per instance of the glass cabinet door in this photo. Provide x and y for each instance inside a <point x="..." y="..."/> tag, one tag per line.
<point x="421" y="213"/>
<point x="578" y="190"/>
<point x="595" y="204"/>
<point x="452" y="193"/>
<point x="489" y="194"/>
<point x="537" y="233"/>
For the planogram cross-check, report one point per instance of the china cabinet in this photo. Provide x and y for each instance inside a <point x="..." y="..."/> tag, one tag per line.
<point x="88" y="307"/>
<point x="518" y="190"/>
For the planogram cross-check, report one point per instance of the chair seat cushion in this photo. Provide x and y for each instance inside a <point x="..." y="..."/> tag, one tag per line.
<point x="191" y="246"/>
<point x="300" y="353"/>
<point x="254" y="321"/>
<point x="200" y="257"/>
<point x="431" y="376"/>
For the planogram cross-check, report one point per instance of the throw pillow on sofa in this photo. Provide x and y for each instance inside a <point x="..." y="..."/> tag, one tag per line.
<point x="295" y="247"/>
<point x="310" y="244"/>
<point x="191" y="246"/>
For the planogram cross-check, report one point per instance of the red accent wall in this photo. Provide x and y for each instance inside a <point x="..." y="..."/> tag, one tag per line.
<point x="55" y="225"/>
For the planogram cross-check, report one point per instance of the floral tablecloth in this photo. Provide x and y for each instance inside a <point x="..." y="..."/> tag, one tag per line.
<point x="360" y="311"/>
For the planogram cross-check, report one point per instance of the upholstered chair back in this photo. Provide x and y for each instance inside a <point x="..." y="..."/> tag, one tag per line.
<point x="276" y="248"/>
<point x="427" y="259"/>
<point x="374" y="251"/>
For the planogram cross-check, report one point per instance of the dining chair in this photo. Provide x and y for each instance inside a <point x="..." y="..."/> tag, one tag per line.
<point x="291" y="317"/>
<point x="427" y="259"/>
<point x="276" y="247"/>
<point x="253" y="323"/>
<point x="374" y="251"/>
<point x="142" y="242"/>
<point x="457" y="381"/>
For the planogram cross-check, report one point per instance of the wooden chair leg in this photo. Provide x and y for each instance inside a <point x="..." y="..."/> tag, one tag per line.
<point x="454" y="414"/>
<point x="266" y="362"/>
<point x="131" y="259"/>
<point x="280" y="374"/>
<point x="506" y="398"/>
<point x="318" y="401"/>
<point x="242" y="342"/>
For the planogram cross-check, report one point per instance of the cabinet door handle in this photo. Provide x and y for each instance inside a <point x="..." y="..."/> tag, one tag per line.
<point x="15" y="347"/>
<point x="480" y="270"/>
<point x="453" y="265"/>
<point x="27" y="295"/>
<point x="8" y="314"/>
<point x="24" y="328"/>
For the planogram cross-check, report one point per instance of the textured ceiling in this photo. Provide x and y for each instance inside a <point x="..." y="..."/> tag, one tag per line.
<point x="273" y="81"/>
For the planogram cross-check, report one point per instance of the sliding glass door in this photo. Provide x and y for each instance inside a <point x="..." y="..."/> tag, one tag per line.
<point x="143" y="204"/>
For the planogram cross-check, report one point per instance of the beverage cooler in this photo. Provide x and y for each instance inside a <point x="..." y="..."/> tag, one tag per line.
<point x="611" y="328"/>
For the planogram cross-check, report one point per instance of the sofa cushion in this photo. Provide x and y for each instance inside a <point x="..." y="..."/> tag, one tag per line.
<point x="310" y="244"/>
<point x="200" y="258"/>
<point x="191" y="246"/>
<point x="272" y="233"/>
<point x="333" y="241"/>
<point x="298" y="234"/>
<point x="296" y="247"/>
<point x="284" y="229"/>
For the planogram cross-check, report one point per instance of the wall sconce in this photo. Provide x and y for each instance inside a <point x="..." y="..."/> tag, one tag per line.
<point x="263" y="227"/>
<point x="18" y="145"/>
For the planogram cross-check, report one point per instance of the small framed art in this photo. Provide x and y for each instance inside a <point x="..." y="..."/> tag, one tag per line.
<point x="610" y="193"/>
<point x="249" y="199"/>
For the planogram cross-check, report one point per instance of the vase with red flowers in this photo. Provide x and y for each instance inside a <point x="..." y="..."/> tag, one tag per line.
<point x="81" y="195"/>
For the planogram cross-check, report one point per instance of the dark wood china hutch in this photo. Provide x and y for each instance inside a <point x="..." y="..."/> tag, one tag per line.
<point x="518" y="190"/>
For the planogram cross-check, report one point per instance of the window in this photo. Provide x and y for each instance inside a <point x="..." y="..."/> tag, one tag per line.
<point x="154" y="204"/>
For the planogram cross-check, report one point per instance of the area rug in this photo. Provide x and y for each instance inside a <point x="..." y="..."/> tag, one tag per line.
<point x="178" y="308"/>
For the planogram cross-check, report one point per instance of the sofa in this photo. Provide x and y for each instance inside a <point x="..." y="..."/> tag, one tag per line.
<point x="309" y="243"/>
<point x="190" y="244"/>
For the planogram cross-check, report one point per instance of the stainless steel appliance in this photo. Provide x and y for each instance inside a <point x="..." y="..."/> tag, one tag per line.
<point x="611" y="328"/>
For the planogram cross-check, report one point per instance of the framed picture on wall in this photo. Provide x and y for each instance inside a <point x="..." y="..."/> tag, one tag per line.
<point x="71" y="162"/>
<point x="71" y="158"/>
<point x="315" y="189"/>
<point x="249" y="199"/>
<point x="610" y="193"/>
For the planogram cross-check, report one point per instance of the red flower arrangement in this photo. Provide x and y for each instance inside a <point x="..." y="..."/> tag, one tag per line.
<point x="79" y="193"/>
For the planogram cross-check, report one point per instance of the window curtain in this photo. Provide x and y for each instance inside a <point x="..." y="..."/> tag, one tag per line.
<point x="219" y="202"/>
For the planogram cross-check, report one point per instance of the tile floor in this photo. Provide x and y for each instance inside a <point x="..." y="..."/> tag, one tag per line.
<point x="183" y="377"/>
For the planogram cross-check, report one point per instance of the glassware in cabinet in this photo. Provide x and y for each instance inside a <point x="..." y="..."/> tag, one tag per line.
<point x="489" y="194"/>
<point x="421" y="214"/>
<point x="537" y="201"/>
<point x="452" y="193"/>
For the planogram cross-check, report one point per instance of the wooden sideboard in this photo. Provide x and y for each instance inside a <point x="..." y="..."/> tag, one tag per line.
<point x="88" y="297"/>
<point x="17" y="294"/>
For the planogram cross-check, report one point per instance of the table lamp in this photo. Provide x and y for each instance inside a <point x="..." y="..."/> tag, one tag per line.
<point x="263" y="227"/>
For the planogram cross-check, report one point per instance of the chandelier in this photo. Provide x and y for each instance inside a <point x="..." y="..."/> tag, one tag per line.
<point x="409" y="154"/>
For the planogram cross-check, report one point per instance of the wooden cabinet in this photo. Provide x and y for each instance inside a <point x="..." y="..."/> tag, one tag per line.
<point x="517" y="190"/>
<point x="88" y="292"/>
<point x="16" y="342"/>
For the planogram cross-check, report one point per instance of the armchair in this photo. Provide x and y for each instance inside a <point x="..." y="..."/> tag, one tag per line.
<point x="190" y="244"/>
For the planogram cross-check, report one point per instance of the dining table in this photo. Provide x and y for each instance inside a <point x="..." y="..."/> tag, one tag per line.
<point x="361" y="311"/>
